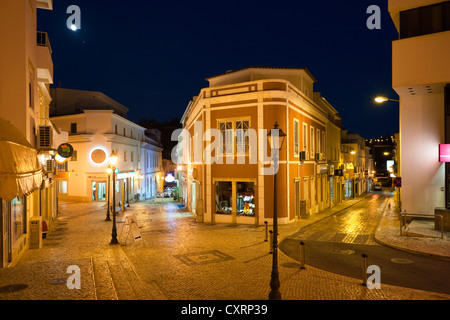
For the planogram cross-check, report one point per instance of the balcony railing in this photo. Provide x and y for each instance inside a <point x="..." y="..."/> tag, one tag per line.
<point x="43" y="40"/>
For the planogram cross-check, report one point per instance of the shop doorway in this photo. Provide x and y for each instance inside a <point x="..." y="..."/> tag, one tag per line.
<point x="5" y="228"/>
<point x="98" y="191"/>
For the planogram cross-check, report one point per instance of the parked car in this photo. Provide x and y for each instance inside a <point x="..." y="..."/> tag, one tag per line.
<point x="377" y="186"/>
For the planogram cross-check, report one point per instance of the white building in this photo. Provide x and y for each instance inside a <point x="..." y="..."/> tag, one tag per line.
<point x="421" y="77"/>
<point x="94" y="134"/>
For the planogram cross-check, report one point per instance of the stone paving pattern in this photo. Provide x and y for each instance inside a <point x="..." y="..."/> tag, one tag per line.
<point x="180" y="259"/>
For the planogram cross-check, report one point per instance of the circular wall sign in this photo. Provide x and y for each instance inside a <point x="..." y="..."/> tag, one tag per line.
<point x="98" y="156"/>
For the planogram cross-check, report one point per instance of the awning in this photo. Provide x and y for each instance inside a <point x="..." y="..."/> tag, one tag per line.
<point x="20" y="171"/>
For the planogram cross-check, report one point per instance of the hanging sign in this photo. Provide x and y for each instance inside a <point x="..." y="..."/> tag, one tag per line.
<point x="65" y="150"/>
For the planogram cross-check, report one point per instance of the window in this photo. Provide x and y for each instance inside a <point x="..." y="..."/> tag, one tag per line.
<point x="224" y="191"/>
<point x="318" y="145"/>
<point x="124" y="156"/>
<point x="116" y="129"/>
<point x="132" y="156"/>
<point x="245" y="199"/>
<point x="62" y="186"/>
<point x="242" y="138"/>
<point x="305" y="139"/>
<point x="73" y="128"/>
<point x="18" y="215"/>
<point x="323" y="142"/>
<point x="124" y="132"/>
<point x="425" y="20"/>
<point x="311" y="139"/>
<point x="30" y="95"/>
<point x="74" y="156"/>
<point x="226" y="130"/>
<point x="229" y="144"/>
<point x="296" y="138"/>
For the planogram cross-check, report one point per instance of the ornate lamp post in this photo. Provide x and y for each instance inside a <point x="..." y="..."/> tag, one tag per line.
<point x="276" y="138"/>
<point x="113" y="161"/>
<point x="109" y="171"/>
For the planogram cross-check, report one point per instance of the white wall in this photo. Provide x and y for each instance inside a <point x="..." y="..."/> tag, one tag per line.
<point x="422" y="130"/>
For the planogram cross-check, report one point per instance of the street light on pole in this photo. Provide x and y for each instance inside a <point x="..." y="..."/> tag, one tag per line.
<point x="113" y="161"/>
<point x="384" y="99"/>
<point x="275" y="138"/>
<point x="109" y="171"/>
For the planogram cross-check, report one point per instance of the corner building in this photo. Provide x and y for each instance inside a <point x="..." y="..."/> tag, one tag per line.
<point x="234" y="192"/>
<point x="421" y="77"/>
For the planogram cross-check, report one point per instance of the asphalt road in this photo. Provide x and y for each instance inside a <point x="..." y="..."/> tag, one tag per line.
<point x="336" y="244"/>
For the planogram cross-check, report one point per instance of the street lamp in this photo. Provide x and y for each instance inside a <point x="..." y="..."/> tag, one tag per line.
<point x="109" y="171"/>
<point x="113" y="161"/>
<point x="384" y="99"/>
<point x="275" y="138"/>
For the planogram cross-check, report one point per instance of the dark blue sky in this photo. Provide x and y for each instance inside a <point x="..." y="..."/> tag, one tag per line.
<point x="153" y="56"/>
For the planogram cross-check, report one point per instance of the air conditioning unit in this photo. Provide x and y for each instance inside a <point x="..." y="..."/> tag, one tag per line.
<point x="50" y="165"/>
<point x="319" y="156"/>
<point x="302" y="155"/>
<point x="45" y="137"/>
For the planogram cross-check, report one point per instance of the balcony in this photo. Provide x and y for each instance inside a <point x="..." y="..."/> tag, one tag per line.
<point x="44" y="4"/>
<point x="44" y="58"/>
<point x="421" y="60"/>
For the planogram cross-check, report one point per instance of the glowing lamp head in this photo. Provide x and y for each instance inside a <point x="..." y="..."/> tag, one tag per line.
<point x="276" y="140"/>
<point x="109" y="169"/>
<point x="113" y="158"/>
<point x="73" y="27"/>
<point x="381" y="99"/>
<point x="353" y="152"/>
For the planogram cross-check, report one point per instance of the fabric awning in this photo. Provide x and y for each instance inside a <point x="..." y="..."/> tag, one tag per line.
<point x="20" y="171"/>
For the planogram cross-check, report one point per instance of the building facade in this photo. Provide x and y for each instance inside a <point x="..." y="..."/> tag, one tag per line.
<point x="26" y="72"/>
<point x="333" y="150"/>
<point x="355" y="165"/>
<point x="95" y="130"/>
<point x="421" y="77"/>
<point x="237" y="186"/>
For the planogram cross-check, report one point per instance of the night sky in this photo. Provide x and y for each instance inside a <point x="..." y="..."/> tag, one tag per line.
<point x="154" y="56"/>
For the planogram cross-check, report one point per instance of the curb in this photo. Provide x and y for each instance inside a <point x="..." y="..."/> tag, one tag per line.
<point x="379" y="239"/>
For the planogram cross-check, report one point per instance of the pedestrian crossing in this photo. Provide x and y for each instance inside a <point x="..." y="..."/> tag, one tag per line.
<point x="330" y="236"/>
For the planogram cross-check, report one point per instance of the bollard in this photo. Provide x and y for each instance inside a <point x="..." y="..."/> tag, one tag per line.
<point x="364" y="269"/>
<point x="267" y="231"/>
<point x="271" y="242"/>
<point x="302" y="255"/>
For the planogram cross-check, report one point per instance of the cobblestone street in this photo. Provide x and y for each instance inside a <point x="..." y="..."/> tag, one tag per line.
<point x="177" y="259"/>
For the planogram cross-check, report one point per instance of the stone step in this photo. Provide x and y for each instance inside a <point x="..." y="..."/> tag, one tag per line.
<point x="104" y="285"/>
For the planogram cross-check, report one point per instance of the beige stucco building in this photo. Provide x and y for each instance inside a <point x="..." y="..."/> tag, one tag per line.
<point x="26" y="71"/>
<point x="248" y="101"/>
<point x="421" y="77"/>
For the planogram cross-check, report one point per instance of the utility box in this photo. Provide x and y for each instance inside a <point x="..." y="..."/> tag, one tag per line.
<point x="304" y="214"/>
<point x="36" y="233"/>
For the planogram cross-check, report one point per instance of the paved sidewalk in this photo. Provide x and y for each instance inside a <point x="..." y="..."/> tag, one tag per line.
<point x="180" y="259"/>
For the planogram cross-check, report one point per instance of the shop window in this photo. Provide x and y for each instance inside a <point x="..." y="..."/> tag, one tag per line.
<point x="245" y="199"/>
<point x="224" y="195"/>
<point x="62" y="187"/>
<point x="18" y="218"/>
